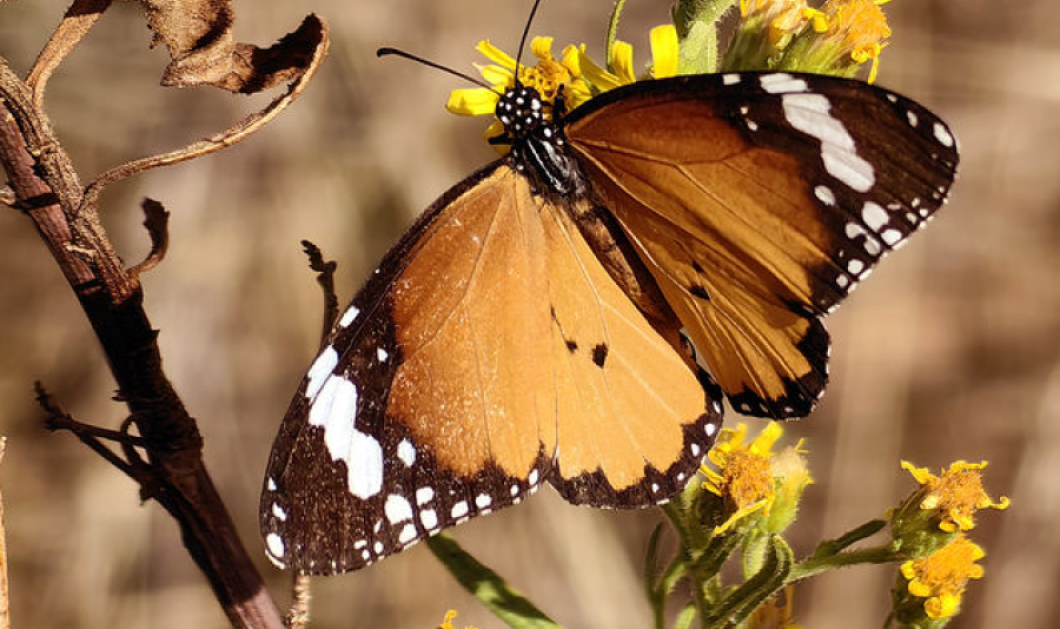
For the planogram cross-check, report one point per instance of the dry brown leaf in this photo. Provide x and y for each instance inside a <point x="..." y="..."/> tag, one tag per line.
<point x="198" y="35"/>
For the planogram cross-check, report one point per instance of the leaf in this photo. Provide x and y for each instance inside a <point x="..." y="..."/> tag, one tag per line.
<point x="488" y="586"/>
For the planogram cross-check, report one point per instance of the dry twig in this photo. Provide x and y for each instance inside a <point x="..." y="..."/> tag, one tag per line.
<point x="165" y="456"/>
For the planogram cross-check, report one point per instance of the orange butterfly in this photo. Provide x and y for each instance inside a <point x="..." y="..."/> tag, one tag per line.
<point x="531" y="326"/>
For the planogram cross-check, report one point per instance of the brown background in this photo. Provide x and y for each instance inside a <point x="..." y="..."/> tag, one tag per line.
<point x="950" y="352"/>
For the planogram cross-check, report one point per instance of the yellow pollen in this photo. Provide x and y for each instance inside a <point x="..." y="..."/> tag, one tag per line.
<point x="748" y="478"/>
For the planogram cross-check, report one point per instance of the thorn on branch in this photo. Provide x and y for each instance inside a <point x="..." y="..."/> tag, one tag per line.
<point x="133" y="466"/>
<point x="156" y="220"/>
<point x="326" y="278"/>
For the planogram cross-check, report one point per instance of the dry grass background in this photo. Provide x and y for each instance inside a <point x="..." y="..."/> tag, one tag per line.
<point x="951" y="351"/>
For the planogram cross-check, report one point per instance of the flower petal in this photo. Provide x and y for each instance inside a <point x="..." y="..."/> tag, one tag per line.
<point x="542" y="47"/>
<point x="600" y="78"/>
<point x="496" y="55"/>
<point x="664" y="51"/>
<point x="477" y="101"/>
<point x="622" y="63"/>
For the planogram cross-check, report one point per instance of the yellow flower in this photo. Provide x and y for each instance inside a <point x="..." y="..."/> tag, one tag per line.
<point x="941" y="578"/>
<point x="744" y="479"/>
<point x="956" y="494"/>
<point x="664" y="52"/>
<point x="548" y="76"/>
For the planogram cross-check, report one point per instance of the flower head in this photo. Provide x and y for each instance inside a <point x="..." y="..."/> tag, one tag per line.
<point x="934" y="585"/>
<point x="940" y="507"/>
<point x="744" y="479"/>
<point x="548" y="76"/>
<point x="954" y="495"/>
<point x="574" y="74"/>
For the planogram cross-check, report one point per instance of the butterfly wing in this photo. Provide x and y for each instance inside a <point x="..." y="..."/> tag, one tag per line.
<point x="632" y="419"/>
<point x="489" y="345"/>
<point x="432" y="400"/>
<point x="758" y="202"/>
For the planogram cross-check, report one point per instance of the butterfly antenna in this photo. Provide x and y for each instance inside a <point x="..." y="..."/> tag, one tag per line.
<point x="383" y="52"/>
<point x="522" y="40"/>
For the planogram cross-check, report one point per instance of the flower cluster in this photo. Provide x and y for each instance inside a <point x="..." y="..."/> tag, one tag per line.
<point x="574" y="74"/>
<point x="930" y="525"/>
<point x="836" y="39"/>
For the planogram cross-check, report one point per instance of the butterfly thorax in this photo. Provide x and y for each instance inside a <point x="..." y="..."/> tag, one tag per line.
<point x="538" y="149"/>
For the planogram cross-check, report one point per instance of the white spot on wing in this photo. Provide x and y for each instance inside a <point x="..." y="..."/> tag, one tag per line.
<point x="891" y="236"/>
<point x="321" y="369"/>
<point x="335" y="409"/>
<point x="855" y="266"/>
<point x="429" y="519"/>
<point x="943" y="135"/>
<point x="782" y="83"/>
<point x="365" y="465"/>
<point x="459" y="509"/>
<point x="809" y="113"/>
<point x="378" y="546"/>
<point x="730" y="79"/>
<point x="349" y="316"/>
<point x="278" y="512"/>
<point x="270" y="484"/>
<point x="406" y="452"/>
<point x="874" y="216"/>
<point x="825" y="195"/>
<point x="407" y="534"/>
<point x="397" y="509"/>
<point x="532" y="479"/>
<point x="424" y="495"/>
<point x="274" y="544"/>
<point x="913" y="120"/>
<point x="710" y="429"/>
<point x="483" y="500"/>
<point x="381" y="354"/>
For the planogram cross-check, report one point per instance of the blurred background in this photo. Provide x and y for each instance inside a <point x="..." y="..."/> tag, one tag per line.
<point x="951" y="352"/>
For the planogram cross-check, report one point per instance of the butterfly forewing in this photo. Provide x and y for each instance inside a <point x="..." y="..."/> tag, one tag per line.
<point x="758" y="201"/>
<point x="425" y="406"/>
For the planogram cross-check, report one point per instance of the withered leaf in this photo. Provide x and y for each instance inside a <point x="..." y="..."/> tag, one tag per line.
<point x="198" y="35"/>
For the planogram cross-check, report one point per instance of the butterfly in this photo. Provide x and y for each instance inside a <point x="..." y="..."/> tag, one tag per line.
<point x="574" y="312"/>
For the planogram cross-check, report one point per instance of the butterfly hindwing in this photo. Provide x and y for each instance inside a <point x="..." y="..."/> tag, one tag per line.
<point x="759" y="201"/>
<point x="632" y="420"/>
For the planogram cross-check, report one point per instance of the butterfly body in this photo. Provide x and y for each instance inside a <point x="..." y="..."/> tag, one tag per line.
<point x="530" y="327"/>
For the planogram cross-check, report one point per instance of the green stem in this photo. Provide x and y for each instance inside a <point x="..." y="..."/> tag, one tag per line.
<point x="612" y="32"/>
<point x="831" y="547"/>
<point x="815" y="565"/>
